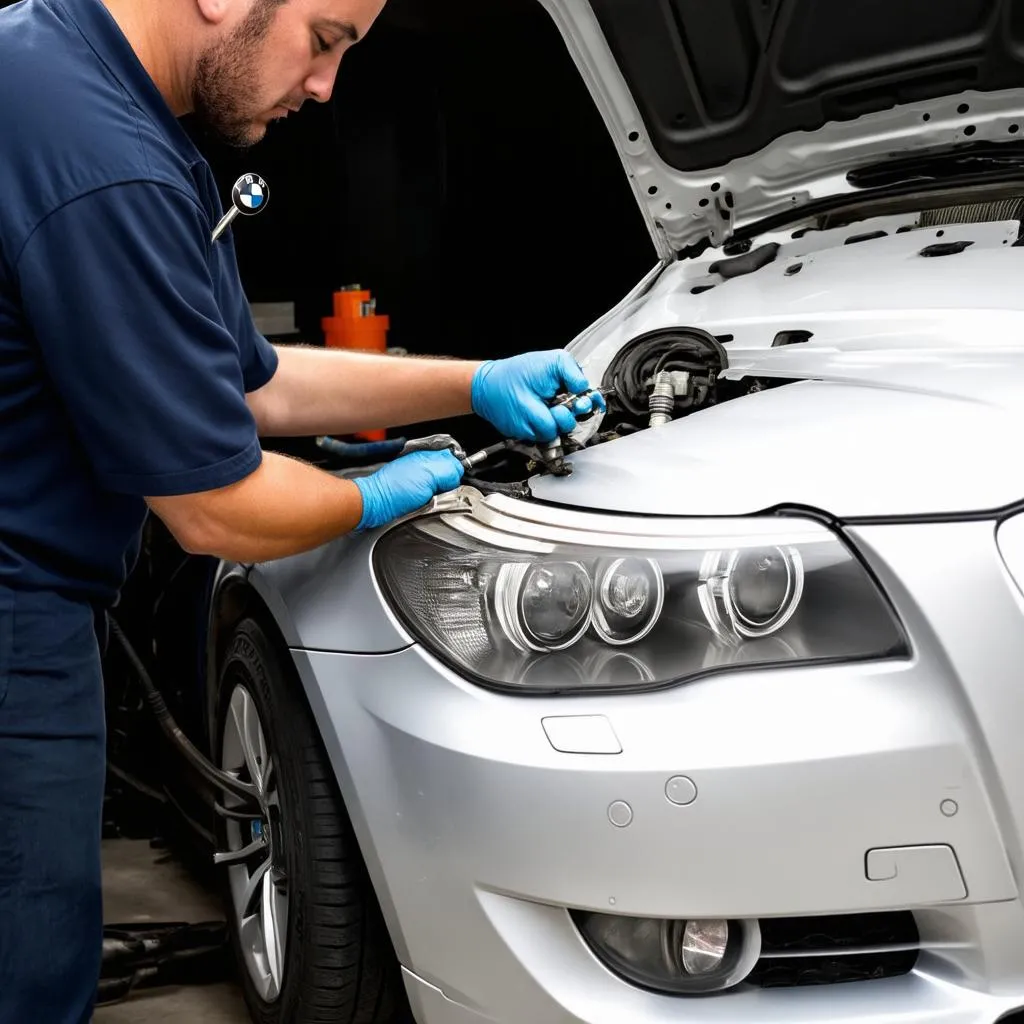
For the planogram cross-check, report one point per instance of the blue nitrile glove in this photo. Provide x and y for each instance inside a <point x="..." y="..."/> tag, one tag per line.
<point x="408" y="483"/>
<point x="512" y="394"/>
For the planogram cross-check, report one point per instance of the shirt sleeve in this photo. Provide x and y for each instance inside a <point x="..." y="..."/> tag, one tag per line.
<point x="259" y="357"/>
<point x="117" y="289"/>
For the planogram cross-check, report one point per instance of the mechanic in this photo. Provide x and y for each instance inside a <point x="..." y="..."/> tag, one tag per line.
<point x="132" y="378"/>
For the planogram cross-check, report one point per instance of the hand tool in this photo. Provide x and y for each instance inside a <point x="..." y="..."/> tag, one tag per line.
<point x="570" y="400"/>
<point x="551" y="455"/>
<point x="439" y="442"/>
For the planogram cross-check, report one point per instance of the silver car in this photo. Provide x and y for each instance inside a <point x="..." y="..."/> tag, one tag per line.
<point x="716" y="712"/>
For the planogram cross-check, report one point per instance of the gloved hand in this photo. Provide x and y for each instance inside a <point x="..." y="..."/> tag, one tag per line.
<point x="408" y="483"/>
<point x="512" y="394"/>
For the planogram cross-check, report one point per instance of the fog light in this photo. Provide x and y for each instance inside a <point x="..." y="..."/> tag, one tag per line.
<point x="680" y="957"/>
<point x="704" y="946"/>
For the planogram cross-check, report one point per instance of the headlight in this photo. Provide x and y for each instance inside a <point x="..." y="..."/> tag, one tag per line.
<point x="574" y="602"/>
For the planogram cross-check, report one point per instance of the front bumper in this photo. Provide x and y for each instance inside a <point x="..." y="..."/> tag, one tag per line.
<point x="479" y="834"/>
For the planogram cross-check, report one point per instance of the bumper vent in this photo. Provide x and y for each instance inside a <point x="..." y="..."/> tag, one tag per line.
<point x="798" y="951"/>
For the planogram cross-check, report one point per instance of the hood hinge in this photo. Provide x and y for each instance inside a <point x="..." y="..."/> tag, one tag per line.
<point x="719" y="219"/>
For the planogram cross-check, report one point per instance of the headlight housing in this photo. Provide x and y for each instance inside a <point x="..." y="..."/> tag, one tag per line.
<point x="540" y="600"/>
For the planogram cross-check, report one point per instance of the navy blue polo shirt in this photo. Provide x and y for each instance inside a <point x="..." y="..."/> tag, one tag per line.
<point x="126" y="342"/>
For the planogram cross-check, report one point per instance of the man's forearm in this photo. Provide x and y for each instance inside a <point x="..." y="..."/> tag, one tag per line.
<point x="285" y="507"/>
<point x="328" y="391"/>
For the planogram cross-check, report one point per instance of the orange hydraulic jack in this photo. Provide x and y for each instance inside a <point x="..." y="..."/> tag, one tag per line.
<point x="357" y="325"/>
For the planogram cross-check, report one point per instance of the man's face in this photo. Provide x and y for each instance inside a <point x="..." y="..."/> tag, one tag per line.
<point x="275" y="58"/>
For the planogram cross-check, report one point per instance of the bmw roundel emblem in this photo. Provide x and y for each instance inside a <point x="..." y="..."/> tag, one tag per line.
<point x="250" y="194"/>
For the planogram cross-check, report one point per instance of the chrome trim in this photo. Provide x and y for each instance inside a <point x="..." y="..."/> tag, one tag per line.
<point x="844" y="951"/>
<point x="509" y="523"/>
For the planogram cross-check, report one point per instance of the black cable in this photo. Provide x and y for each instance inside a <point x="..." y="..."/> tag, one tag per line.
<point x="493" y="487"/>
<point x="213" y="775"/>
<point x="686" y="348"/>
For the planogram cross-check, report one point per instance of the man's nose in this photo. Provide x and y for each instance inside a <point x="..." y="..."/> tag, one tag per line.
<point x="320" y="84"/>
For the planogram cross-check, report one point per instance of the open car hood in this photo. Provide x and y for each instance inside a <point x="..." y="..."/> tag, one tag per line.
<point x="730" y="112"/>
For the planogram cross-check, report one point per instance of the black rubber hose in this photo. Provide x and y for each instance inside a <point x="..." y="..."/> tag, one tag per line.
<point x="688" y="348"/>
<point x="210" y="772"/>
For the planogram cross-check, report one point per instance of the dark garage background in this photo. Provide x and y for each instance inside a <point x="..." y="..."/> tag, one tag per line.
<point x="461" y="172"/>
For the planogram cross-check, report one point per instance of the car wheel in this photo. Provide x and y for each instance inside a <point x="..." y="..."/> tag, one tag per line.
<point x="305" y="925"/>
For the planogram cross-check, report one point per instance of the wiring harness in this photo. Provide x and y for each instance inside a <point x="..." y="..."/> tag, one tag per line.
<point x="687" y="349"/>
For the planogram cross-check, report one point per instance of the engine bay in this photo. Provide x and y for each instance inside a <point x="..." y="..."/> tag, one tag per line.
<point x="876" y="303"/>
<point x="658" y="377"/>
<point x="904" y="292"/>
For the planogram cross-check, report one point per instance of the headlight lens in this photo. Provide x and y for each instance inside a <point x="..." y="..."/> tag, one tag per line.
<point x="543" y="606"/>
<point x="581" y="611"/>
<point x="629" y="598"/>
<point x="751" y="593"/>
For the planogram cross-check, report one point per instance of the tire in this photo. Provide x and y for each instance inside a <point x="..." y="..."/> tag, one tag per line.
<point x="337" y="964"/>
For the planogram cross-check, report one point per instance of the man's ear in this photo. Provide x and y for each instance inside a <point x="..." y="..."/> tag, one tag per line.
<point x="214" y="11"/>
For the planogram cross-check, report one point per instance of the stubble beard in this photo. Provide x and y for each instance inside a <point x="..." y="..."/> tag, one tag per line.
<point x="226" y="79"/>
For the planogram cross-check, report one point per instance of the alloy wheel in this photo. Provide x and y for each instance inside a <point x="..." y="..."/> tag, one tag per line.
<point x="255" y="856"/>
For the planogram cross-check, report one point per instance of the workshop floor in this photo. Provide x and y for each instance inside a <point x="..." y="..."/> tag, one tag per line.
<point x="141" y="884"/>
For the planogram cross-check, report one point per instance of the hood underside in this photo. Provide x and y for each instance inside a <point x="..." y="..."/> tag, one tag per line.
<point x="717" y="81"/>
<point x="731" y="111"/>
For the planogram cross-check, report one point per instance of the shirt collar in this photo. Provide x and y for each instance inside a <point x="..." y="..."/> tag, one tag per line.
<point x="108" y="42"/>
